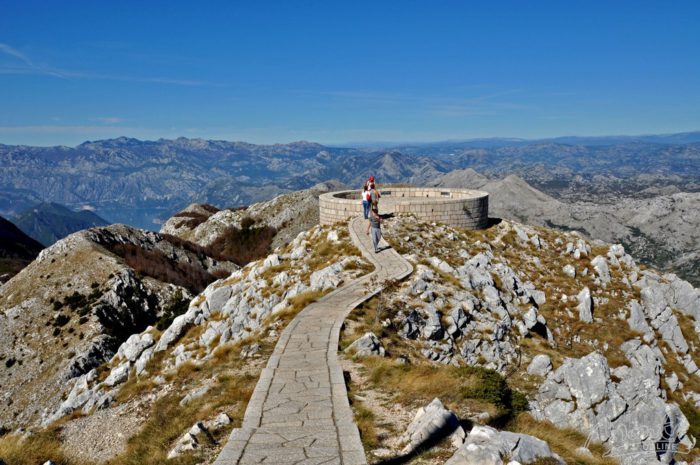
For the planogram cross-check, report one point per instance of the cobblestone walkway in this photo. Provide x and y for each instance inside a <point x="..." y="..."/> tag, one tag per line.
<point x="299" y="412"/>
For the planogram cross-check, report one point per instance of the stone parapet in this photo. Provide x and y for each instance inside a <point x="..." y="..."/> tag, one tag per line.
<point x="461" y="208"/>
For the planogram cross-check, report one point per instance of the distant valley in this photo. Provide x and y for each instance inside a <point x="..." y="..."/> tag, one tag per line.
<point x="50" y="222"/>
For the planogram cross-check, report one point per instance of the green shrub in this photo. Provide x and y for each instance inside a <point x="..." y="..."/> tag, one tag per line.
<point x="178" y="305"/>
<point x="493" y="388"/>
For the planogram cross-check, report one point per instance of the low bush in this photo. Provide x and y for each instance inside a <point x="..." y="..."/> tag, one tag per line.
<point x="243" y="245"/>
<point x="159" y="266"/>
<point x="177" y="306"/>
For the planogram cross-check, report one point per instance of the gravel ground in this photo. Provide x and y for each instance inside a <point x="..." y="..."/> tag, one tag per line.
<point x="103" y="435"/>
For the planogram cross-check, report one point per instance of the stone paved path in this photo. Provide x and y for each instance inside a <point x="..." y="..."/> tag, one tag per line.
<point x="299" y="412"/>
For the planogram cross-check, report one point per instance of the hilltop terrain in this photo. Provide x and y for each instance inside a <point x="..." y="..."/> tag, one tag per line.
<point x="498" y="324"/>
<point x="659" y="231"/>
<point x="69" y="310"/>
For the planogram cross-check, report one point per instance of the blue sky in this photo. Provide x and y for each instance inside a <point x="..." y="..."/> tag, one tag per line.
<point x="335" y="72"/>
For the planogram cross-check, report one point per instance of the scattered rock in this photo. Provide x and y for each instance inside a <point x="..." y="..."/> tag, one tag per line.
<point x="430" y="424"/>
<point x="585" y="306"/>
<point x="540" y="365"/>
<point x="367" y="345"/>
<point x="600" y="265"/>
<point x="569" y="270"/>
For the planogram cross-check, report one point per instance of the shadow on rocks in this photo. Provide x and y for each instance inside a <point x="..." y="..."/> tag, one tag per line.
<point x="429" y="444"/>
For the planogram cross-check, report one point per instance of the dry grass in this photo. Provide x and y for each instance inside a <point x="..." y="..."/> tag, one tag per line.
<point x="366" y="422"/>
<point x="32" y="450"/>
<point x="562" y="441"/>
<point x="464" y="389"/>
<point x="296" y="304"/>
<point x="168" y="420"/>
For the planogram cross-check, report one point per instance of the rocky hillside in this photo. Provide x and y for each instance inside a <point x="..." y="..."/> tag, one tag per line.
<point x="596" y="343"/>
<point x="539" y="345"/>
<point x="16" y="250"/>
<point x="660" y="231"/>
<point x="70" y="309"/>
<point x="179" y="390"/>
<point x="287" y="215"/>
<point x="50" y="222"/>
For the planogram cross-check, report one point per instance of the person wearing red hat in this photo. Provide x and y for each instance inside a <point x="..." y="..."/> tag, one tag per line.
<point x="370" y="186"/>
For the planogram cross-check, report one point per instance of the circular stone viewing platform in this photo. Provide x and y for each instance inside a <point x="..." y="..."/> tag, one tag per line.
<point x="460" y="208"/>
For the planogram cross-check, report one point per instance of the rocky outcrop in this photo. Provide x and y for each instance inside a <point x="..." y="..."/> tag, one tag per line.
<point x="487" y="446"/>
<point x="430" y="424"/>
<point x="289" y="214"/>
<point x="367" y="345"/>
<point x="80" y="300"/>
<point x="229" y="309"/>
<point x="627" y="413"/>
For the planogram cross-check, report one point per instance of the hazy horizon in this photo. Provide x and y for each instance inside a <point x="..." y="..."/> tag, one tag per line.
<point x="381" y="143"/>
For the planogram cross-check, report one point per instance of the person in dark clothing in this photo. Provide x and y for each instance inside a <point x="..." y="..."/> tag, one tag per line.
<point x="374" y="226"/>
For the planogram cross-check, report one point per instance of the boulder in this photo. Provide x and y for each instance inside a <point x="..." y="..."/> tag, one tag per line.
<point x="569" y="270"/>
<point x="298" y="252"/>
<point x="487" y="446"/>
<point x="525" y="449"/>
<point x="367" y="345"/>
<point x="600" y="265"/>
<point x="433" y="327"/>
<point x="637" y="321"/>
<point x="118" y="375"/>
<point x="411" y="325"/>
<point x="271" y="260"/>
<point x="327" y="278"/>
<point x="540" y="365"/>
<point x="430" y="424"/>
<point x="195" y="394"/>
<point x="177" y="328"/>
<point x="441" y="265"/>
<point x="218" y="422"/>
<point x="132" y="348"/>
<point x="585" y="305"/>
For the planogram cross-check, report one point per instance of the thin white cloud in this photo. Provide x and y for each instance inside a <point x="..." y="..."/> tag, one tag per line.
<point x="28" y="66"/>
<point x="109" y="119"/>
<point x="452" y="102"/>
<point x="7" y="50"/>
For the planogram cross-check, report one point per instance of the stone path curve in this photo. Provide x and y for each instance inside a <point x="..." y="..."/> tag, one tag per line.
<point x="299" y="412"/>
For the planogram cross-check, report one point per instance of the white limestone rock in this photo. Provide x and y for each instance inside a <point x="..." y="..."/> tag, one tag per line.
<point x="327" y="278"/>
<point x="585" y="305"/>
<point x="430" y="423"/>
<point x="600" y="265"/>
<point x="135" y="345"/>
<point x="118" y="375"/>
<point x="367" y="345"/>
<point x="569" y="270"/>
<point x="540" y="365"/>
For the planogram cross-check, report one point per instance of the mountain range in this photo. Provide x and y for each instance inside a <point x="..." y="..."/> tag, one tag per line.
<point x="610" y="188"/>
<point x="144" y="182"/>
